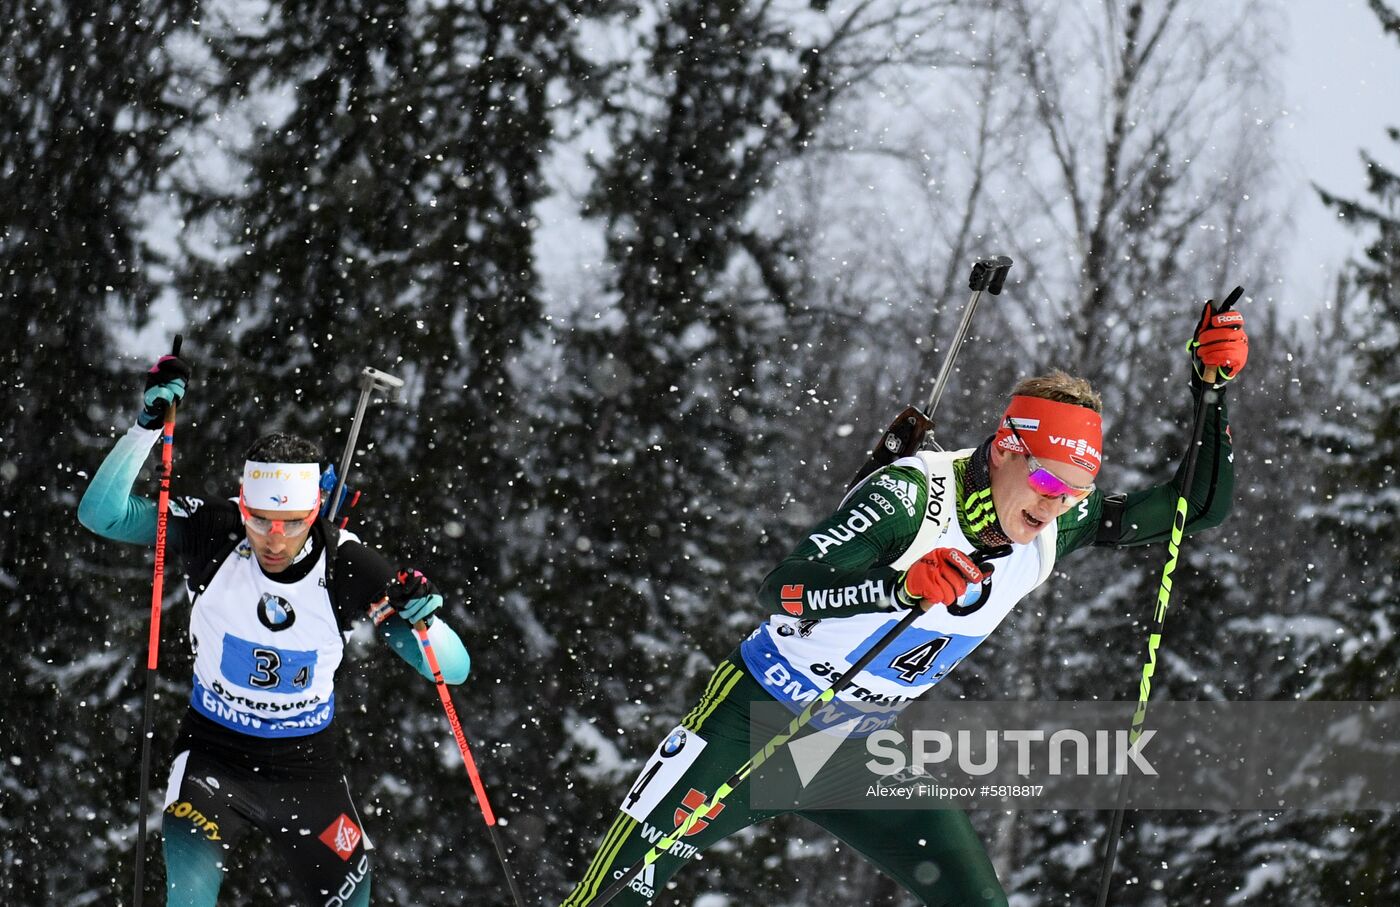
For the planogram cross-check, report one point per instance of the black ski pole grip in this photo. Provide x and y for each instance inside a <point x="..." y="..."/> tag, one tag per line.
<point x="981" y="276"/>
<point x="989" y="274"/>
<point x="1230" y="300"/>
<point x="175" y="347"/>
<point x="1003" y="267"/>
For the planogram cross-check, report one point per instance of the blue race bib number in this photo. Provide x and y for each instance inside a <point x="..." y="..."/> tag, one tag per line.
<point x="267" y="669"/>
<point x="917" y="657"/>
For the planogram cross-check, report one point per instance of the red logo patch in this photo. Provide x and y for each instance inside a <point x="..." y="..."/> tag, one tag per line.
<point x="693" y="801"/>
<point x="792" y="600"/>
<point x="342" y="836"/>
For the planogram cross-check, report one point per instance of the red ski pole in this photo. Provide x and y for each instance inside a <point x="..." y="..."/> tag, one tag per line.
<point x="421" y="629"/>
<point x="167" y="462"/>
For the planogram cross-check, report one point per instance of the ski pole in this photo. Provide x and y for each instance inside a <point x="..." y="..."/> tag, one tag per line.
<point x="371" y="380"/>
<point x="1164" y="591"/>
<point x="768" y="749"/>
<point x="902" y="439"/>
<point x="989" y="275"/>
<point x="906" y="433"/>
<point x="664" y="845"/>
<point x="167" y="463"/>
<point x="478" y="788"/>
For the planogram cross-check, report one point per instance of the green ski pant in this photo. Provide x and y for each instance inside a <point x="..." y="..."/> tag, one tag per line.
<point x="933" y="853"/>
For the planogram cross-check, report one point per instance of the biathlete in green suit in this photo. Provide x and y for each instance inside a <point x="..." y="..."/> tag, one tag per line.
<point x="893" y="544"/>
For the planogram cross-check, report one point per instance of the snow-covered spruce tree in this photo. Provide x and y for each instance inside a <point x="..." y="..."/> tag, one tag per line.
<point x="1362" y="503"/>
<point x="81" y="95"/>
<point x="663" y="481"/>
<point x="359" y="183"/>
<point x="1359" y="515"/>
<point x="1324" y="627"/>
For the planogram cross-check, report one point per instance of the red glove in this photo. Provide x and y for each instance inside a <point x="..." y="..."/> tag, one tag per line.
<point x="1220" y="343"/>
<point x="940" y="577"/>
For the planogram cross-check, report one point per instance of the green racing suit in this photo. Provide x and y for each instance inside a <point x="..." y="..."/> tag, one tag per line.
<point x="829" y="601"/>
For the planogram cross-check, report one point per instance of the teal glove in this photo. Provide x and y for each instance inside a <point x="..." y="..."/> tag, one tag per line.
<point x="165" y="387"/>
<point x="411" y="596"/>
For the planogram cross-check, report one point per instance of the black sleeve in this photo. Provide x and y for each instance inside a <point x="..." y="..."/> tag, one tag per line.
<point x="201" y="531"/>
<point x="361" y="573"/>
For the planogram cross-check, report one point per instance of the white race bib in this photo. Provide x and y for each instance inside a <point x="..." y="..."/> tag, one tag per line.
<point x="668" y="762"/>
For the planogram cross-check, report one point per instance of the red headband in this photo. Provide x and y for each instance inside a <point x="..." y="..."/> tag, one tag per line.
<point x="1054" y="431"/>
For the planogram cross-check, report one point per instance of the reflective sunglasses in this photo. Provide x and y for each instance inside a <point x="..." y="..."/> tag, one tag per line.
<point x="1044" y="482"/>
<point x="264" y="526"/>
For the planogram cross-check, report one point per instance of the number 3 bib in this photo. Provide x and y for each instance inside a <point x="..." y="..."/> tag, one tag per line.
<point x="265" y="652"/>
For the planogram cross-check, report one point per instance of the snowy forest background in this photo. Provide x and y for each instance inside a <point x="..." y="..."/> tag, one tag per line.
<point x="657" y="272"/>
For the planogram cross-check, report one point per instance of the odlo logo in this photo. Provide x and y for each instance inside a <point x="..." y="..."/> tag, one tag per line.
<point x="346" y="893"/>
<point x="275" y="613"/>
<point x="693" y="801"/>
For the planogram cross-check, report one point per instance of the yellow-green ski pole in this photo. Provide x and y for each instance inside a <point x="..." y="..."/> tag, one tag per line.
<point x="768" y="749"/>
<point x="1159" y="614"/>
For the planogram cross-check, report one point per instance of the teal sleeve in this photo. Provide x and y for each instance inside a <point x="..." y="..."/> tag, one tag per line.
<point x="452" y="657"/>
<point x="108" y="507"/>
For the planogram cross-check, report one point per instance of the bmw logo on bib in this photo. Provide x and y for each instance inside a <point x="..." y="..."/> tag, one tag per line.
<point x="674" y="743"/>
<point x="275" y="613"/>
<point x="973" y="600"/>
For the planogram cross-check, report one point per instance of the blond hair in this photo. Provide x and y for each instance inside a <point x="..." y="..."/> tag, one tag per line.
<point x="1060" y="387"/>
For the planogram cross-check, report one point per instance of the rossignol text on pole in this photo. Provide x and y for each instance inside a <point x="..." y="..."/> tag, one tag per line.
<point x="167" y="464"/>
<point x="1159" y="614"/>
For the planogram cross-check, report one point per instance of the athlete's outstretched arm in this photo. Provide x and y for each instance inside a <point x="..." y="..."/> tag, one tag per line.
<point x="452" y="655"/>
<point x="108" y="507"/>
<point x="841" y="565"/>
<point x="367" y="584"/>
<point x="1144" y="517"/>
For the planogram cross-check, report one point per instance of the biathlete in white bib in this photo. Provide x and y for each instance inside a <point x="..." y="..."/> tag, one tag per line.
<point x="274" y="589"/>
<point x="904" y="538"/>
